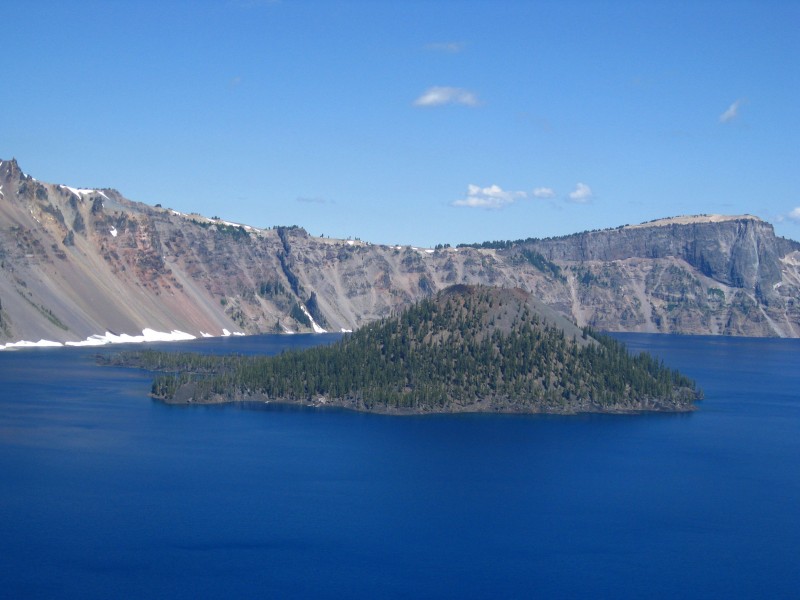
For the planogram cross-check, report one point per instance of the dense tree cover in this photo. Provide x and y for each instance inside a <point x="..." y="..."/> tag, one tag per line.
<point x="540" y="262"/>
<point x="466" y="351"/>
<point x="312" y="305"/>
<point x="497" y="244"/>
<point x="506" y="244"/>
<point x="237" y="232"/>
<point x="535" y="258"/>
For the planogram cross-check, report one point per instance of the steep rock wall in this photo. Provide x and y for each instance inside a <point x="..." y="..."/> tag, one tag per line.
<point x="78" y="262"/>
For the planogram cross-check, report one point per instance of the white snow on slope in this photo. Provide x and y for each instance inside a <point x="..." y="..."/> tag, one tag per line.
<point x="148" y="335"/>
<point x="113" y="231"/>
<point x="226" y="333"/>
<point x="314" y="326"/>
<point x="26" y="344"/>
<point x="2" y="195"/>
<point x="80" y="192"/>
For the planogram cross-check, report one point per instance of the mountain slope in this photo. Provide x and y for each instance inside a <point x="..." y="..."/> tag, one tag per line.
<point x="80" y="262"/>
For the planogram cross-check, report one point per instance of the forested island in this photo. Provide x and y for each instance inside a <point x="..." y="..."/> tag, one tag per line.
<point x="468" y="349"/>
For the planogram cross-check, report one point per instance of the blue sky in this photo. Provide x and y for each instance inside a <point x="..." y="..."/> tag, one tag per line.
<point x="413" y="122"/>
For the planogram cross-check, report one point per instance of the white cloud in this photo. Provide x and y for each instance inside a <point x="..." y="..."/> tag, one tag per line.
<point x="489" y="197"/>
<point x="794" y="215"/>
<point x="448" y="47"/>
<point x="441" y="95"/>
<point x="311" y="200"/>
<point x="582" y="194"/>
<point x="731" y="113"/>
<point x="544" y="193"/>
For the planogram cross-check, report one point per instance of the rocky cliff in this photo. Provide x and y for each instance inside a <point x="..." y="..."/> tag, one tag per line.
<point x="77" y="262"/>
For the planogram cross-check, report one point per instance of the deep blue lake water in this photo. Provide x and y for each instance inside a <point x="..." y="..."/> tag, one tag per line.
<point x="106" y="493"/>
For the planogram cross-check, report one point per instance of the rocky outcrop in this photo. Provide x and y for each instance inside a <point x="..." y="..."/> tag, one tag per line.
<point x="741" y="252"/>
<point x="75" y="262"/>
<point x="701" y="274"/>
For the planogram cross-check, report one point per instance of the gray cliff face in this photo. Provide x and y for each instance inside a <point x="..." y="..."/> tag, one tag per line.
<point x="719" y="275"/>
<point x="740" y="252"/>
<point x="79" y="262"/>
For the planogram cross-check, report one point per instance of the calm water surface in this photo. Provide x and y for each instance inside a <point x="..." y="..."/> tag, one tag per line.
<point x="105" y="493"/>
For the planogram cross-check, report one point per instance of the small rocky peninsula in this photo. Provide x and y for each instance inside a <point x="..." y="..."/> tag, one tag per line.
<point x="467" y="349"/>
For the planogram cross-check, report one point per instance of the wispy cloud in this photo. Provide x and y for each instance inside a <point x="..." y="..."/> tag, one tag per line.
<point x="732" y="112"/>
<point x="544" y="193"/>
<point x="311" y="200"/>
<point x="235" y="81"/>
<point x="447" y="47"/>
<point x="794" y="215"/>
<point x="582" y="194"/>
<point x="442" y="95"/>
<point x="489" y="197"/>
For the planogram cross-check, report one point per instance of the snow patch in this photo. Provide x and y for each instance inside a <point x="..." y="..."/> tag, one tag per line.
<point x="314" y="326"/>
<point x="113" y="231"/>
<point x="26" y="344"/>
<point x="350" y="243"/>
<point x="429" y="251"/>
<point x="148" y="335"/>
<point x="777" y="285"/>
<point x="81" y="192"/>
<point x="346" y="330"/>
<point x="2" y="195"/>
<point x="73" y="190"/>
